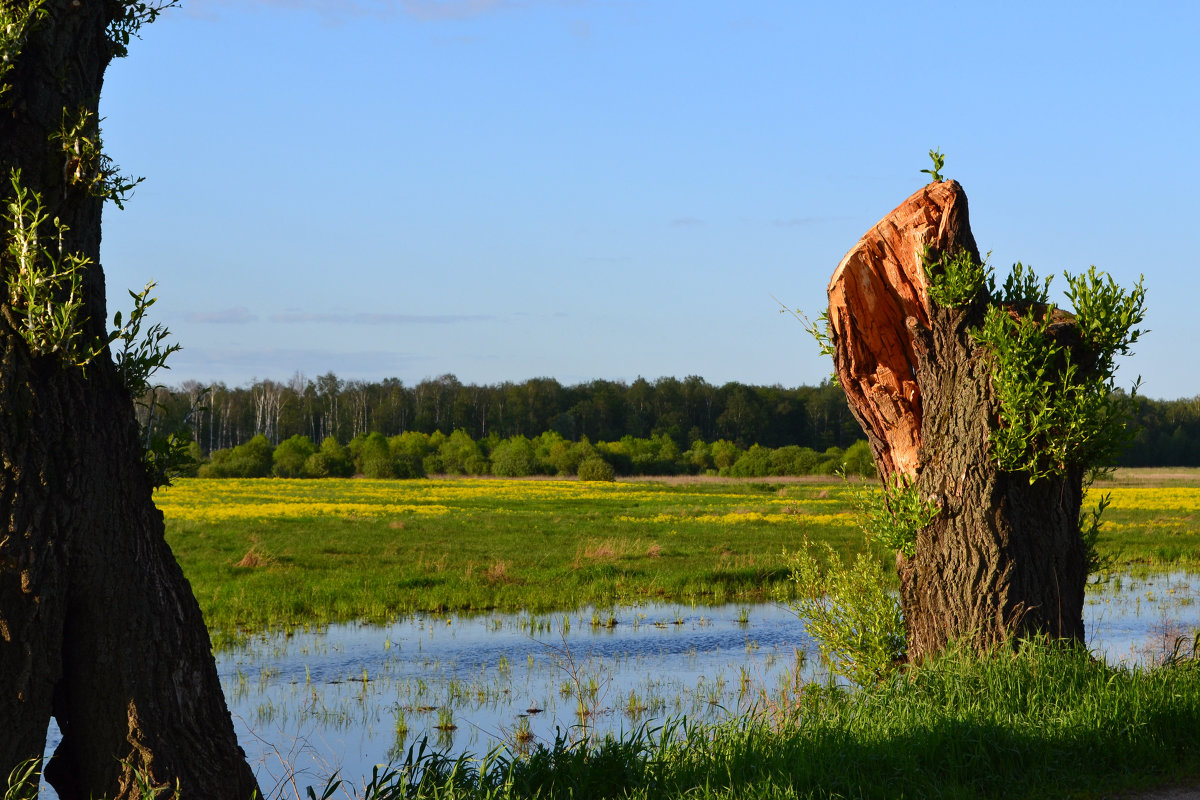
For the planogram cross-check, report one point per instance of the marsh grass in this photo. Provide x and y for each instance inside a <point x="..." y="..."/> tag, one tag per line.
<point x="278" y="554"/>
<point x="1043" y="722"/>
<point x="275" y="554"/>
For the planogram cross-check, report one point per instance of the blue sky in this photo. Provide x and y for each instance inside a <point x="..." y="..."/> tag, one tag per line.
<point x="505" y="189"/>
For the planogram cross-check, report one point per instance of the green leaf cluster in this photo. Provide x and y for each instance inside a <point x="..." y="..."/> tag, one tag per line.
<point x="85" y="163"/>
<point x="128" y="18"/>
<point x="939" y="161"/>
<point x="891" y="515"/>
<point x="140" y="354"/>
<point x="16" y="21"/>
<point x="1058" y="404"/>
<point x="44" y="282"/>
<point x="956" y="280"/>
<point x="1022" y="287"/>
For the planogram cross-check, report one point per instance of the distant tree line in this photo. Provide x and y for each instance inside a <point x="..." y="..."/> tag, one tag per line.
<point x="415" y="455"/>
<point x="219" y="417"/>
<point x="1168" y="435"/>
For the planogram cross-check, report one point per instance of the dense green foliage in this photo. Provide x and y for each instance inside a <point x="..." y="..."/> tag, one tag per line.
<point x="417" y="455"/>
<point x="851" y="611"/>
<point x="1052" y="372"/>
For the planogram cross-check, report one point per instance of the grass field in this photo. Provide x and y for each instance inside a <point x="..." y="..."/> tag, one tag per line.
<point x="278" y="553"/>
<point x="1041" y="723"/>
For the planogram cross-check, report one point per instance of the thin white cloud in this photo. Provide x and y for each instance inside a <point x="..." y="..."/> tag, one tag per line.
<point x="432" y="10"/>
<point x="230" y="316"/>
<point x="237" y="366"/>
<point x="340" y="10"/>
<point x="308" y="318"/>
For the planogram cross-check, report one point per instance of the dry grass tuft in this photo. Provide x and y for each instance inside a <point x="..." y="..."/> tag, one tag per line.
<point x="604" y="550"/>
<point x="498" y="573"/>
<point x="396" y="524"/>
<point x="655" y="551"/>
<point x="253" y="558"/>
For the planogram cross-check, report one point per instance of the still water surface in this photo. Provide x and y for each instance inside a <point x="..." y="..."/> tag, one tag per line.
<point x="350" y="696"/>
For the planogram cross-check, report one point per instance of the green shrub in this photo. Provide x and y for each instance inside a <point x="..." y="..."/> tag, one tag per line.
<point x="378" y="467"/>
<point x="250" y="460"/>
<point x="332" y="461"/>
<point x="454" y="454"/>
<point x="754" y="463"/>
<point x="725" y="454"/>
<point x="793" y="460"/>
<point x="291" y="455"/>
<point x="514" y="458"/>
<point x="851" y="612"/>
<point x="858" y="460"/>
<point x="374" y="457"/>
<point x="595" y="468"/>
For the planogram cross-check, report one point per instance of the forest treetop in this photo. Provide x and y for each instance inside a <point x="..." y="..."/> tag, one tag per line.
<point x="217" y="416"/>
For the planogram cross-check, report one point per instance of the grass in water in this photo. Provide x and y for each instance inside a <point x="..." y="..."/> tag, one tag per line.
<point x="1045" y="722"/>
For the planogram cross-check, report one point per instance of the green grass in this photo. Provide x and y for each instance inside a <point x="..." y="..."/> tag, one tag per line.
<point x="278" y="553"/>
<point x="538" y="546"/>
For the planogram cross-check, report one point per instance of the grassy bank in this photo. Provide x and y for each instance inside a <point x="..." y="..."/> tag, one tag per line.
<point x="1047" y="723"/>
<point x="276" y="553"/>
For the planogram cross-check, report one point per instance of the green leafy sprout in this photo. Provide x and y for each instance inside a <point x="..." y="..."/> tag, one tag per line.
<point x="1059" y="407"/>
<point x="939" y="161"/>
<point x="891" y="515"/>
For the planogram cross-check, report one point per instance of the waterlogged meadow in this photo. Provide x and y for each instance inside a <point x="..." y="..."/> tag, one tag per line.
<point x="275" y="553"/>
<point x="355" y="619"/>
<point x="270" y="553"/>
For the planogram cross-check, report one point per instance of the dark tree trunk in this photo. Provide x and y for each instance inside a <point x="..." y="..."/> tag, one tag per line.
<point x="1003" y="558"/>
<point x="98" y="626"/>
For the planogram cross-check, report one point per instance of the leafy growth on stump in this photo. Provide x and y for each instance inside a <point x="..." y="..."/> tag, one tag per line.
<point x="128" y="19"/>
<point x="16" y="22"/>
<point x="957" y="280"/>
<point x="1022" y="286"/>
<point x="44" y="282"/>
<point x="892" y="515"/>
<point x="85" y="164"/>
<point x="939" y="161"/>
<point x="1058" y="404"/>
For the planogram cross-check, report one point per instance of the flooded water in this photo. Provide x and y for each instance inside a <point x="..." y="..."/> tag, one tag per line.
<point x="350" y="696"/>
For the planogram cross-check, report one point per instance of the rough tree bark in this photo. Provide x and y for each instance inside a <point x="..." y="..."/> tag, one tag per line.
<point x="1003" y="558"/>
<point x="98" y="626"/>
